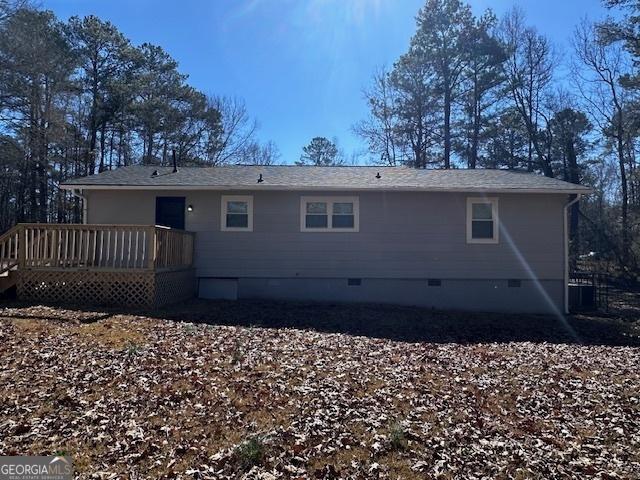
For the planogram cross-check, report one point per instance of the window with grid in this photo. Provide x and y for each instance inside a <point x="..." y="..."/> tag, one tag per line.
<point x="482" y="220"/>
<point x="329" y="214"/>
<point x="237" y="213"/>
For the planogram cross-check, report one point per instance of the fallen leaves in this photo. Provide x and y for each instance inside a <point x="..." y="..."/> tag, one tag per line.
<point x="130" y="396"/>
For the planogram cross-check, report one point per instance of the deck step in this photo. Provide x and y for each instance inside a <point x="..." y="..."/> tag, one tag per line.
<point x="8" y="280"/>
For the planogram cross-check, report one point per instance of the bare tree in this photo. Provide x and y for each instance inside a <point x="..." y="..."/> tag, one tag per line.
<point x="10" y="7"/>
<point x="266" y="154"/>
<point x="380" y="129"/>
<point x="238" y="130"/>
<point x="598" y="70"/>
<point x="529" y="72"/>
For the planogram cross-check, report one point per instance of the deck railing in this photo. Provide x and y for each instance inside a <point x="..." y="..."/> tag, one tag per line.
<point x="95" y="247"/>
<point x="9" y="250"/>
<point x="173" y="248"/>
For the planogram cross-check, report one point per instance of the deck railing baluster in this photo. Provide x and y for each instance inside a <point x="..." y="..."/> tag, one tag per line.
<point x="96" y="247"/>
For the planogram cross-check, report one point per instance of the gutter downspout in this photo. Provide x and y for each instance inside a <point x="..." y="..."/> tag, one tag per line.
<point x="78" y="193"/>
<point x="573" y="200"/>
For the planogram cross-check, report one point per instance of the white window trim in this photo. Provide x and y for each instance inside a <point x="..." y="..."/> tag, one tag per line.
<point x="330" y="201"/>
<point x="494" y="214"/>
<point x="225" y="199"/>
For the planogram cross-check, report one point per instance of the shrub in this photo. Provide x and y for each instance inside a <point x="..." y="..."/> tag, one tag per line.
<point x="397" y="437"/>
<point x="236" y="354"/>
<point x="132" y="349"/>
<point x="190" y="329"/>
<point x="250" y="452"/>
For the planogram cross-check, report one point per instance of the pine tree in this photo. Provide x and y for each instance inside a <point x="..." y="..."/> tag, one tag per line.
<point x="320" y="152"/>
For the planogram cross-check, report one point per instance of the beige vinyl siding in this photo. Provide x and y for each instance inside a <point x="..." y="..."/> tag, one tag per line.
<point x="402" y="235"/>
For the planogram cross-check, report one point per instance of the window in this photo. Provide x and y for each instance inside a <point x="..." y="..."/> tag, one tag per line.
<point x="329" y="214"/>
<point x="482" y="220"/>
<point x="342" y="215"/>
<point x="237" y="213"/>
<point x="317" y="215"/>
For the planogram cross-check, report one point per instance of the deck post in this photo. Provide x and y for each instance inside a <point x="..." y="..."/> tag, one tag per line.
<point x="151" y="247"/>
<point x="22" y="247"/>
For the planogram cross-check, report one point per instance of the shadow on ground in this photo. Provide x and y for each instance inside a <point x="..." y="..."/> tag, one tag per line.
<point x="409" y="324"/>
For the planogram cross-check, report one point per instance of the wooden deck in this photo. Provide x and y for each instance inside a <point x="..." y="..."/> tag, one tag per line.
<point x="144" y="265"/>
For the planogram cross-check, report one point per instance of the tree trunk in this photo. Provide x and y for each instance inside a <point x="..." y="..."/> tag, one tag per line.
<point x="533" y="124"/>
<point x="164" y="152"/>
<point x="475" y="141"/>
<point x="626" y="238"/>
<point x="41" y="171"/>
<point x="475" y="115"/>
<point x="102" y="144"/>
<point x="574" y="231"/>
<point x="447" y="128"/>
<point x="33" y="201"/>
<point x="148" y="156"/>
<point x="93" y="121"/>
<point x="43" y="196"/>
<point x="111" y="147"/>
<point x="32" y="150"/>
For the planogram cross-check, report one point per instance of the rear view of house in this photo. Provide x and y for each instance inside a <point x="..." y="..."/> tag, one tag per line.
<point x="489" y="240"/>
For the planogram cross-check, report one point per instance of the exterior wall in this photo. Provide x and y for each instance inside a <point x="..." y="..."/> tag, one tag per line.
<point x="404" y="239"/>
<point x="476" y="295"/>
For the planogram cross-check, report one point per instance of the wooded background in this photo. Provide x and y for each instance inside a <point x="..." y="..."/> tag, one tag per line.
<point x="77" y="98"/>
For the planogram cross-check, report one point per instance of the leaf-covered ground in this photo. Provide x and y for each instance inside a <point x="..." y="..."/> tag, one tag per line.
<point x="422" y="395"/>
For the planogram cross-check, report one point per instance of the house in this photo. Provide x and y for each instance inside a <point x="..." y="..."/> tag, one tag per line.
<point x="486" y="240"/>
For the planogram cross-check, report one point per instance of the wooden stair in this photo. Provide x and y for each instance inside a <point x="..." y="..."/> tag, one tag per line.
<point x="8" y="280"/>
<point x="9" y="258"/>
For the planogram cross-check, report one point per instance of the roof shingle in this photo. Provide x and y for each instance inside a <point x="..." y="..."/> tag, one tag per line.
<point x="283" y="177"/>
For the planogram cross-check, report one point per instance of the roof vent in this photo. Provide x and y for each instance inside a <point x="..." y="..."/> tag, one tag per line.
<point x="260" y="179"/>
<point x="175" y="163"/>
<point x="155" y="173"/>
<point x="378" y="175"/>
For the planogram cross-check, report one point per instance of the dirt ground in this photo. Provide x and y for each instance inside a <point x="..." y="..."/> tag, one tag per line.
<point x="270" y="390"/>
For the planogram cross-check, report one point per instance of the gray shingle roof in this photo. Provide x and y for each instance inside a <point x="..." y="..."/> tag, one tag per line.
<point x="323" y="178"/>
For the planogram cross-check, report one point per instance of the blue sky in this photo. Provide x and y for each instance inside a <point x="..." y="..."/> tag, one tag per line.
<point x="300" y="65"/>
